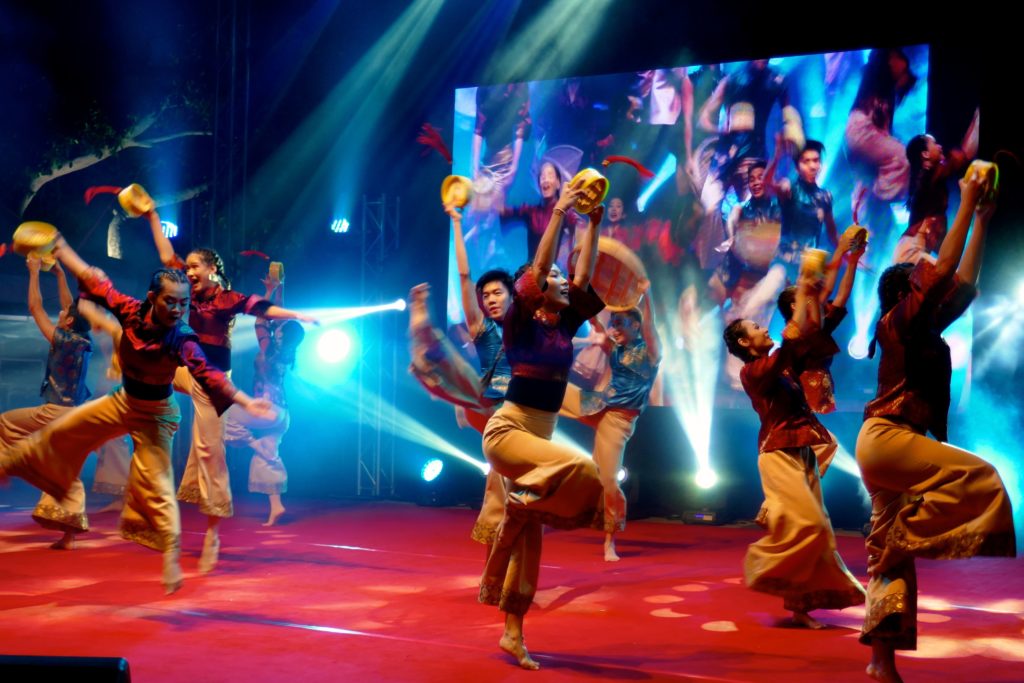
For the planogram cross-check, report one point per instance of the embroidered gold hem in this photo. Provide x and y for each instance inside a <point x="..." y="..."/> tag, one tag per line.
<point x="797" y="600"/>
<point x="610" y="527"/>
<point x="191" y="494"/>
<point x="147" y="537"/>
<point x="57" y="518"/>
<point x="484" y="533"/>
<point x="888" y="621"/>
<point x="953" y="546"/>
<point x="507" y="601"/>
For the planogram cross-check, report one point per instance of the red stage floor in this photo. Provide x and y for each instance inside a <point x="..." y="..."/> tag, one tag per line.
<point x="387" y="592"/>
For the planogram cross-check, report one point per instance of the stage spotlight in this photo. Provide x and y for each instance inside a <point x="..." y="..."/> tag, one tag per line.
<point x="431" y="469"/>
<point x="706" y="478"/>
<point x="333" y="346"/>
<point x="339" y="225"/>
<point x="399" y="305"/>
<point x="170" y="230"/>
<point x="1020" y="293"/>
<point x="623" y="475"/>
<point x="858" y="347"/>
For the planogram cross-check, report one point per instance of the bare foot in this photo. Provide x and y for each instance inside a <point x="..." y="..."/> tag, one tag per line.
<point x="66" y="542"/>
<point x="115" y="505"/>
<point x="211" y="552"/>
<point x="172" y="577"/>
<point x="275" y="514"/>
<point x="517" y="648"/>
<point x="883" y="674"/>
<point x="807" y="621"/>
<point x="883" y="663"/>
<point x="609" y="550"/>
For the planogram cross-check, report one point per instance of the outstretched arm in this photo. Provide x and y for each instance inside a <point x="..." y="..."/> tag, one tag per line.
<point x="846" y="284"/>
<point x="163" y="245"/>
<point x="62" y="287"/>
<point x="474" y="317"/>
<point x="712" y="106"/>
<point x="278" y="313"/>
<point x="952" y="247"/>
<point x="588" y="249"/>
<point x="970" y="264"/>
<point x="548" y="246"/>
<point x="35" y="300"/>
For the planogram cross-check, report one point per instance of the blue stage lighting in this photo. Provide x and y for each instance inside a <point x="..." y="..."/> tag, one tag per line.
<point x="339" y="225"/>
<point x="431" y="469"/>
<point x="1020" y="293"/>
<point x="333" y="346"/>
<point x="170" y="229"/>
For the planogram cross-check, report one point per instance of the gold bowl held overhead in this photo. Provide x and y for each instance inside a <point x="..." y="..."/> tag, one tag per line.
<point x="595" y="189"/>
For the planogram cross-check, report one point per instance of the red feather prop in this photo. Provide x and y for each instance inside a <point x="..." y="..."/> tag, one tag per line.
<point x="91" y="192"/>
<point x="619" y="159"/>
<point x="431" y="138"/>
<point x="253" y="252"/>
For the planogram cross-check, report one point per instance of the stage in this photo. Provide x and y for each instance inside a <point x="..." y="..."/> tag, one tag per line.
<point x="386" y="591"/>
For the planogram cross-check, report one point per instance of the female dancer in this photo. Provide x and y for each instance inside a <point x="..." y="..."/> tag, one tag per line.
<point x="63" y="388"/>
<point x="154" y="344"/>
<point x="634" y="356"/>
<point x="928" y="499"/>
<point x="548" y="483"/>
<point x="212" y="310"/>
<point x="278" y="342"/>
<point x="797" y="558"/>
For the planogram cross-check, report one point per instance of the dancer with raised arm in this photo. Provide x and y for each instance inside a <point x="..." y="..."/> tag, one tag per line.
<point x="67" y="364"/>
<point x="928" y="499"/>
<point x="797" y="558"/>
<point x="154" y="344"/>
<point x="548" y="483"/>
<point x="213" y="307"/>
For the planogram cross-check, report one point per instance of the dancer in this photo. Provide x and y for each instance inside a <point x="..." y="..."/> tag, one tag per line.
<point x="928" y="196"/>
<point x="549" y="484"/>
<point x="816" y="377"/>
<point x="443" y="372"/>
<point x="212" y="310"/>
<point x="797" y="558"/>
<point x="557" y="166"/>
<point x="155" y="342"/>
<point x="878" y="156"/>
<point x="806" y="208"/>
<point x="634" y="356"/>
<point x="736" y="275"/>
<point x="928" y="499"/>
<point x="278" y="343"/>
<point x="67" y="365"/>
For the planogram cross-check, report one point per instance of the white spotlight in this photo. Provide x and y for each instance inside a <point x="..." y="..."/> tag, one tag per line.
<point x="858" y="347"/>
<point x="333" y="346"/>
<point x="706" y="478"/>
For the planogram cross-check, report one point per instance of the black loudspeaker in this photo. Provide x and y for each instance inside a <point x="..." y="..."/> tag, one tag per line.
<point x="16" y="669"/>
